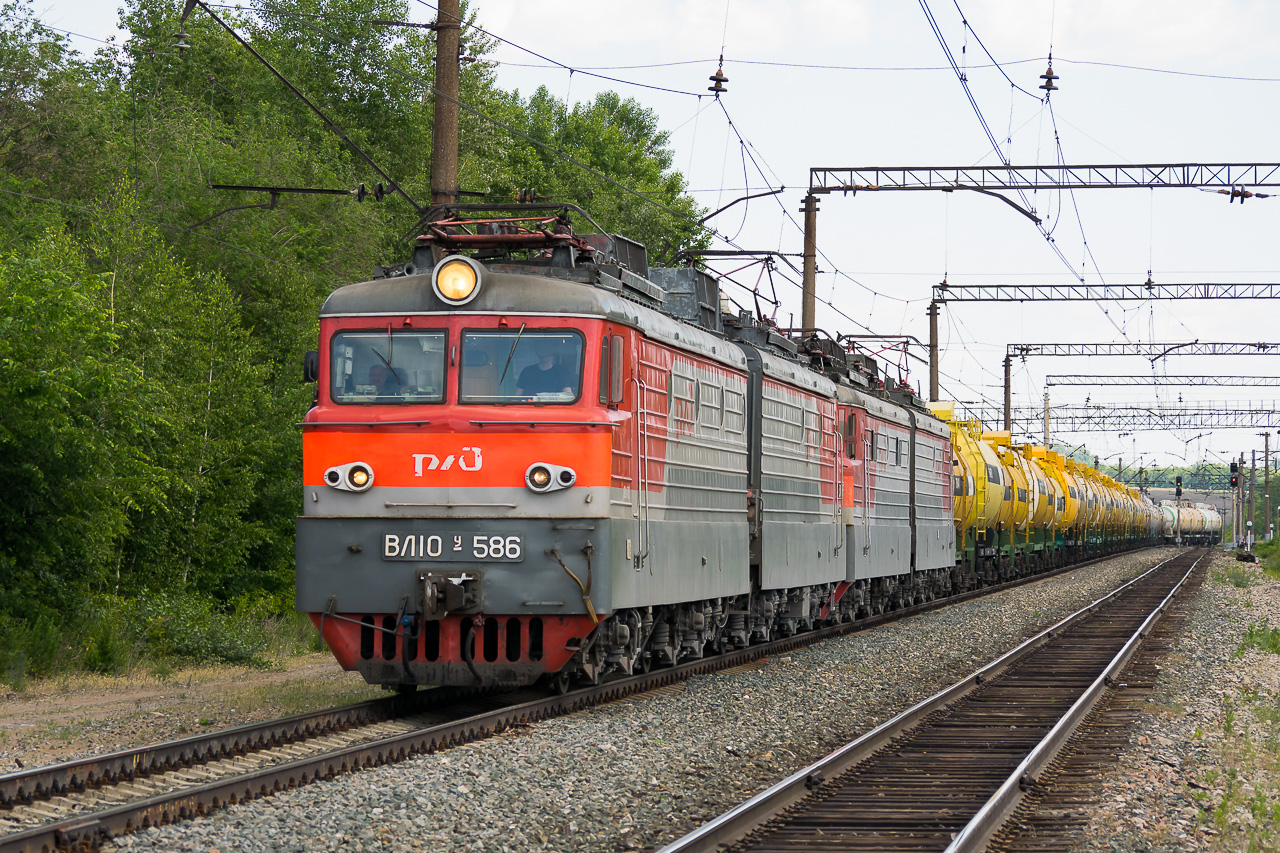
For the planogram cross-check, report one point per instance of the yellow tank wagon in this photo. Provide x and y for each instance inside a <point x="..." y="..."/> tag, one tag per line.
<point x="1024" y="508"/>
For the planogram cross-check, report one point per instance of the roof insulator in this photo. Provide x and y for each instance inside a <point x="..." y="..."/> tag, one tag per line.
<point x="1048" y="77"/>
<point x="718" y="79"/>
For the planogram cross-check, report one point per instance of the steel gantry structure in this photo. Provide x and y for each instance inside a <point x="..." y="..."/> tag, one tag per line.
<point x="1233" y="176"/>
<point x="1231" y="179"/>
<point x="1150" y="350"/>
<point x="1098" y="292"/>
<point x="1162" y="381"/>
<point x="1095" y="418"/>
<point x="1091" y="292"/>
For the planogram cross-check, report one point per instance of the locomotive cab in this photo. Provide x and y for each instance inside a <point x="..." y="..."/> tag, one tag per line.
<point x="457" y="464"/>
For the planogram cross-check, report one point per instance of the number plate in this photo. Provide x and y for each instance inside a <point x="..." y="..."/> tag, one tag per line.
<point x="452" y="548"/>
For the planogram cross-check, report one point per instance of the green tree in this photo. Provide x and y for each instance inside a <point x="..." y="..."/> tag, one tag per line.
<point x="73" y="431"/>
<point x="151" y="327"/>
<point x="592" y="155"/>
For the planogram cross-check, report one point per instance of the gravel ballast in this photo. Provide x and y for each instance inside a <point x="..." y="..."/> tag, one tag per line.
<point x="638" y="774"/>
<point x="1202" y="770"/>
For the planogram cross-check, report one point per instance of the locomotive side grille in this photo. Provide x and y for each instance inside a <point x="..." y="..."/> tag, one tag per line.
<point x="513" y="639"/>
<point x="431" y="640"/>
<point x="535" y="639"/>
<point x="366" y="637"/>
<point x="389" y="637"/>
<point x="491" y="639"/>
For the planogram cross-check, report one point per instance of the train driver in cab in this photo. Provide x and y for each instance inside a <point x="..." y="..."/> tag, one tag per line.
<point x="385" y="380"/>
<point x="547" y="376"/>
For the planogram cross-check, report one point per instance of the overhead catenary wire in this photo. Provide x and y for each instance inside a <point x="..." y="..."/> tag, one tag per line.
<point x="515" y="132"/>
<point x="557" y="64"/>
<point x="204" y="235"/>
<point x="752" y="153"/>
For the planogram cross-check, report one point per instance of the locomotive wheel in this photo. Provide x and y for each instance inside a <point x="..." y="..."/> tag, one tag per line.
<point x="561" y="681"/>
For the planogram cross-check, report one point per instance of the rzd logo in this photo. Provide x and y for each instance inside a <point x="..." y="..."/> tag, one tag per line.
<point x="433" y="462"/>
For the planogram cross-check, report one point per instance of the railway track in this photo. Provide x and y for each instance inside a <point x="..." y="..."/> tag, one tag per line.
<point x="948" y="773"/>
<point x="79" y="804"/>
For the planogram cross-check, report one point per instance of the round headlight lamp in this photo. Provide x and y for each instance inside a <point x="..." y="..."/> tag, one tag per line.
<point x="539" y="478"/>
<point x="456" y="279"/>
<point x="358" y="476"/>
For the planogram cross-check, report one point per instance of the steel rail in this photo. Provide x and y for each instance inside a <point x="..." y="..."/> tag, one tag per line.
<point x="89" y="831"/>
<point x="25" y="786"/>
<point x="733" y="825"/>
<point x="978" y="832"/>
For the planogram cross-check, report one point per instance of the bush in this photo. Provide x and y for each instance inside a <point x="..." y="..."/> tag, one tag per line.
<point x="108" y="646"/>
<point x="113" y="634"/>
<point x="34" y="647"/>
<point x="1268" y="554"/>
<point x="183" y="626"/>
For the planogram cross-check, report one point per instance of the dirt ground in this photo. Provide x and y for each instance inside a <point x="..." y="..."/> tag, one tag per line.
<point x="75" y="716"/>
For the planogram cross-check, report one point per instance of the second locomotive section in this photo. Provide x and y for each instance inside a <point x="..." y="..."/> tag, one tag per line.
<point x="678" y="487"/>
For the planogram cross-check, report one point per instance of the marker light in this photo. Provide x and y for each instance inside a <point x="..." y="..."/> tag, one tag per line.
<point x="456" y="279"/>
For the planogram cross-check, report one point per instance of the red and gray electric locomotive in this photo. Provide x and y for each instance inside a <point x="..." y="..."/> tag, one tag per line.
<point x="539" y="457"/>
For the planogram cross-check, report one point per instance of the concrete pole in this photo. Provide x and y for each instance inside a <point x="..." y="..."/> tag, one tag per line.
<point x="934" y="307"/>
<point x="1266" y="484"/>
<point x="444" y="144"/>
<point x="1008" y="393"/>
<point x="1240" y="500"/>
<point x="808" y="313"/>
<point x="1253" y="475"/>
<point x="1046" y="418"/>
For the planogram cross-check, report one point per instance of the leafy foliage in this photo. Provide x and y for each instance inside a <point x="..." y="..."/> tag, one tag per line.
<point x="151" y="327"/>
<point x="72" y="430"/>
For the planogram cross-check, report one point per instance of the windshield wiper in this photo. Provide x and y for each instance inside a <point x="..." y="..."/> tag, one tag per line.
<point x="511" y="354"/>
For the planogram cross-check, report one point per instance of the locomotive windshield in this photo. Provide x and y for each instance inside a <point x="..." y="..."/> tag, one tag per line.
<point x="388" y="367"/>
<point x="521" y="365"/>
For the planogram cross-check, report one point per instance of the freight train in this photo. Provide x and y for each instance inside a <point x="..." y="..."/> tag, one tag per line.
<point x="533" y="456"/>
<point x="1188" y="523"/>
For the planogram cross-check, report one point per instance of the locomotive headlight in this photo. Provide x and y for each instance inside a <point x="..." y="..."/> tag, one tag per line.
<point x="542" y="477"/>
<point x="359" y="477"/>
<point x="538" y="478"/>
<point x="456" y="279"/>
<point x="351" y="477"/>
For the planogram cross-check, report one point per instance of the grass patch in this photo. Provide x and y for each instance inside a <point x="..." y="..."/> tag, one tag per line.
<point x="1260" y="635"/>
<point x="1236" y="576"/>
<point x="156" y="632"/>
<point x="1268" y="555"/>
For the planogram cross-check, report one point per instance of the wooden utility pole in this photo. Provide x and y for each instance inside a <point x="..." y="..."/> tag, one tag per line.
<point x="808" y="312"/>
<point x="444" y="143"/>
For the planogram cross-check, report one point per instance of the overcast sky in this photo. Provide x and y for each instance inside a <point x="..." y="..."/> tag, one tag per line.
<point x="860" y="83"/>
